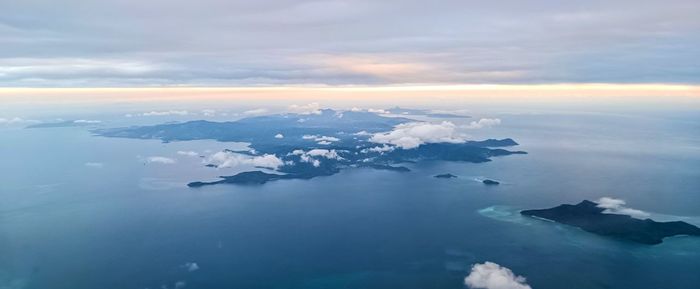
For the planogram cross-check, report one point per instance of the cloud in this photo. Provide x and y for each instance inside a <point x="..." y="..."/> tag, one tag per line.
<point x="490" y="275"/>
<point x="191" y="266"/>
<point x="208" y="112"/>
<point x="379" y="149"/>
<point x="160" y="160"/>
<point x="482" y="123"/>
<point x="286" y="43"/>
<point x="166" y="113"/>
<point x="311" y="108"/>
<point x="372" y="110"/>
<point x="413" y="134"/>
<point x="94" y="164"/>
<point x="320" y="138"/>
<point x="329" y="154"/>
<point x="617" y="206"/>
<point x="378" y="111"/>
<point x="226" y="159"/>
<point x="16" y="120"/>
<point x="279" y="135"/>
<point x="255" y="111"/>
<point x="312" y="155"/>
<point x="87" y="121"/>
<point x="188" y="153"/>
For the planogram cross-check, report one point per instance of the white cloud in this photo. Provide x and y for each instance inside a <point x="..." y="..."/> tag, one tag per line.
<point x="379" y="111"/>
<point x="208" y="112"/>
<point x="379" y="149"/>
<point x="413" y="134"/>
<point x="320" y="138"/>
<point x="490" y="275"/>
<point x="329" y="154"/>
<point x="188" y="153"/>
<point x="228" y="160"/>
<point x="312" y="155"/>
<point x="160" y="160"/>
<point x="16" y="120"/>
<point x="94" y="164"/>
<point x="372" y="110"/>
<point x="255" y="111"/>
<point x="180" y="284"/>
<point x="191" y="266"/>
<point x="482" y="123"/>
<point x="311" y="108"/>
<point x="166" y="113"/>
<point x="617" y="206"/>
<point x="327" y="138"/>
<point x="88" y="121"/>
<point x="323" y="142"/>
<point x="362" y="133"/>
<point x="279" y="135"/>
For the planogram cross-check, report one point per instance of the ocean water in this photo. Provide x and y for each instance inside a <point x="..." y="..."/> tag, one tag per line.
<point x="132" y="224"/>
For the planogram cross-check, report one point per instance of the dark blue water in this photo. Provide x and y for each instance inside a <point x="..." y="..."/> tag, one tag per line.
<point x="135" y="225"/>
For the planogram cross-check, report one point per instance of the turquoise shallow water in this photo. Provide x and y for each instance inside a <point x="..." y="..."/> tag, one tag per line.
<point x="129" y="224"/>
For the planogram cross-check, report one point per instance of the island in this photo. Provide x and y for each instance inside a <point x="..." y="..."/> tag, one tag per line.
<point x="445" y="176"/>
<point x="589" y="217"/>
<point x="490" y="182"/>
<point x="317" y="144"/>
<point x="244" y="178"/>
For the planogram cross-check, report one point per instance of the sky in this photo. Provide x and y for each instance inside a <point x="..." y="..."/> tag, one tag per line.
<point x="129" y="43"/>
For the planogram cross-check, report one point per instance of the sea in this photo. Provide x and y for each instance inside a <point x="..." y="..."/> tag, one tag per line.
<point x="79" y="211"/>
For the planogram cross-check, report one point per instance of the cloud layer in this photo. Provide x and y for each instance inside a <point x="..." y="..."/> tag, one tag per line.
<point x="490" y="275"/>
<point x="209" y="42"/>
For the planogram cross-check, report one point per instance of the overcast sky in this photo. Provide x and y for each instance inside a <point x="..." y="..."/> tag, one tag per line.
<point x="73" y="43"/>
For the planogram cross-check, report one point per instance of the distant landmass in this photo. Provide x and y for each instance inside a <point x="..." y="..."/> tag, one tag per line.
<point x="589" y="217"/>
<point x="318" y="144"/>
<point x="445" y="176"/>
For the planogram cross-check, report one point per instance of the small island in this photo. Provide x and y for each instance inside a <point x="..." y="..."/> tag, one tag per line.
<point x="445" y="176"/>
<point x="490" y="182"/>
<point x="244" y="178"/>
<point x="590" y="217"/>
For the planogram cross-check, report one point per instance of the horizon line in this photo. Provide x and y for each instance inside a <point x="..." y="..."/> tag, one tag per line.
<point x="559" y="91"/>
